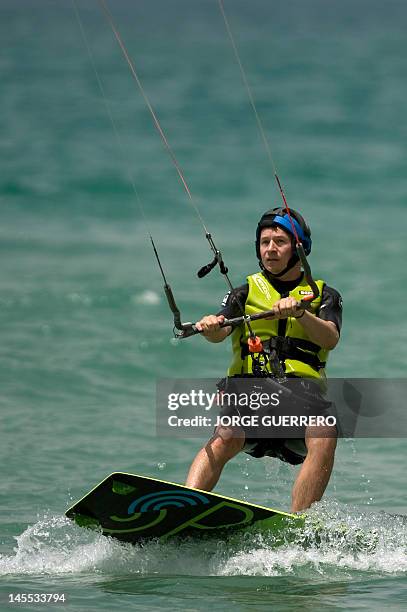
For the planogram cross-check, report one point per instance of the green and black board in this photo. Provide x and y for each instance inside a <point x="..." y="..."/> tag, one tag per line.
<point x="133" y="508"/>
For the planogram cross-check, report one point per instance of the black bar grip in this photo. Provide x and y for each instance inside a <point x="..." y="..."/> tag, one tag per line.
<point x="206" y="269"/>
<point x="188" y="330"/>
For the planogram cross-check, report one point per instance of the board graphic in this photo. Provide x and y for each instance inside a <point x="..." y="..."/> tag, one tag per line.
<point x="133" y="508"/>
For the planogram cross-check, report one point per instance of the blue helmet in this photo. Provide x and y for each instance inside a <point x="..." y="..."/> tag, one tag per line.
<point x="280" y="218"/>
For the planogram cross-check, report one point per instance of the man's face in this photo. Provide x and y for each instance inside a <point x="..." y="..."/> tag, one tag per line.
<point x="275" y="249"/>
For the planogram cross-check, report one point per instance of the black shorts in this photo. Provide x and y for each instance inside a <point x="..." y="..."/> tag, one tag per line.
<point x="297" y="398"/>
<point x="290" y="450"/>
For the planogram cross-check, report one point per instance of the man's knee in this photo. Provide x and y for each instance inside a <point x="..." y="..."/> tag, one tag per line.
<point x="227" y="441"/>
<point x="322" y="446"/>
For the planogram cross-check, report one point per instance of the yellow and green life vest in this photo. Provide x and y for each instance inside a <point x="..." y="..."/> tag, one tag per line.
<point x="297" y="354"/>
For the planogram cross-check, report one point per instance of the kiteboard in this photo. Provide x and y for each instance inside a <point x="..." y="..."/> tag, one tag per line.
<point x="135" y="508"/>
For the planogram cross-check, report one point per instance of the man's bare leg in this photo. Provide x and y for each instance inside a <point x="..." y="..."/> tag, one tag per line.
<point x="315" y="472"/>
<point x="208" y="464"/>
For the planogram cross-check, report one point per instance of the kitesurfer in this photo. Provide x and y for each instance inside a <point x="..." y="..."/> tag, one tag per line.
<point x="296" y="340"/>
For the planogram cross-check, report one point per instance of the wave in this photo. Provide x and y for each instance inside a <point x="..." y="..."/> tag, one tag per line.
<point x="337" y="541"/>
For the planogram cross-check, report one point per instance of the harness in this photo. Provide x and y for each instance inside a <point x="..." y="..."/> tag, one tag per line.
<point x="285" y="347"/>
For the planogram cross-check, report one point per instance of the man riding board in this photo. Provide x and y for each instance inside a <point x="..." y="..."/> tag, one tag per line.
<point x="299" y="341"/>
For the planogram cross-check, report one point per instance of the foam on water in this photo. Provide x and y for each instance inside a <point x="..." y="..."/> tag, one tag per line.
<point x="336" y="542"/>
<point x="148" y="297"/>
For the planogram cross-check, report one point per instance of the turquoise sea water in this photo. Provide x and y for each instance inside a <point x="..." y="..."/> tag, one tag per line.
<point x="85" y="328"/>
